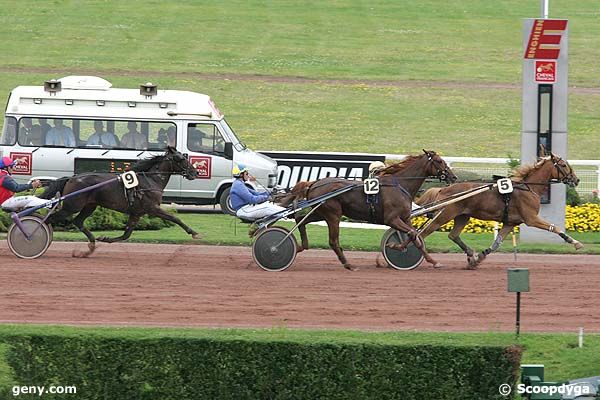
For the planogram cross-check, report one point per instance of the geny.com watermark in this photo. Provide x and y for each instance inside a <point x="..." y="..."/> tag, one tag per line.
<point x="565" y="389"/>
<point x="42" y="390"/>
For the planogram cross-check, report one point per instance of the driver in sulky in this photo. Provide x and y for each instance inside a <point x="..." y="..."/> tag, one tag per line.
<point x="8" y="187"/>
<point x="248" y="203"/>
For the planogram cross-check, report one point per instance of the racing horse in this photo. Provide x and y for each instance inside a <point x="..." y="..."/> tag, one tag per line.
<point x="153" y="175"/>
<point x="523" y="206"/>
<point x="399" y="184"/>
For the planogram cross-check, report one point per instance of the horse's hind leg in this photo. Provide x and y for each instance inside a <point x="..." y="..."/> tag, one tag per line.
<point x="78" y="222"/>
<point x="303" y="237"/>
<point x="302" y="229"/>
<point x="160" y="213"/>
<point x="131" y="223"/>
<point x="333" y="223"/>
<point x="478" y="258"/>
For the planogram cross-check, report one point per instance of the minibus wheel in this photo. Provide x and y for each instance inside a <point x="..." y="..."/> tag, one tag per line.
<point x="225" y="202"/>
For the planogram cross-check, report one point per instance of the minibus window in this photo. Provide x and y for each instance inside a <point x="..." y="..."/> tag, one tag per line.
<point x="60" y="134"/>
<point x="161" y="135"/>
<point x="29" y="134"/>
<point x="9" y="132"/>
<point x="97" y="133"/>
<point x="205" y="138"/>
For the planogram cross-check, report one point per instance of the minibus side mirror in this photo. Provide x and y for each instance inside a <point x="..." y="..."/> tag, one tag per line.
<point x="228" y="150"/>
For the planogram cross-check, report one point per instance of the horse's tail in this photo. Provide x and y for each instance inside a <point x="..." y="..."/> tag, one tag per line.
<point x="429" y="196"/>
<point x="298" y="192"/>
<point x="57" y="185"/>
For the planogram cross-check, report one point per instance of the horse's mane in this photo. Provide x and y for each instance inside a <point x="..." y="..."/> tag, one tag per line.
<point x="524" y="171"/>
<point x="147" y="163"/>
<point x="392" y="169"/>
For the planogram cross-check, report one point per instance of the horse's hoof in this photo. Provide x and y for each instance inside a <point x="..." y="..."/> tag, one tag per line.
<point x="438" y="265"/>
<point x="471" y="267"/>
<point x="196" y="236"/>
<point x="379" y="263"/>
<point x="473" y="261"/>
<point x="578" y="245"/>
<point x="350" y="267"/>
<point x="80" y="254"/>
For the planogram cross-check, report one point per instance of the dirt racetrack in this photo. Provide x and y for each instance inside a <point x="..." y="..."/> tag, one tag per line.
<point x="213" y="286"/>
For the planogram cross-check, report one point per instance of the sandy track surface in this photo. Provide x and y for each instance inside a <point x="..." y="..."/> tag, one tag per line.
<point x="213" y="286"/>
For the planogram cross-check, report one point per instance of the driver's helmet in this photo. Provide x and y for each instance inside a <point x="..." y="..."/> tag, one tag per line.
<point x="6" y="162"/>
<point x="238" y="170"/>
<point x="376" y="166"/>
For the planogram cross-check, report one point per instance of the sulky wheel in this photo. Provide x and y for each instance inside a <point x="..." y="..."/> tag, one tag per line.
<point x="36" y="245"/>
<point x="407" y="259"/>
<point x="272" y="251"/>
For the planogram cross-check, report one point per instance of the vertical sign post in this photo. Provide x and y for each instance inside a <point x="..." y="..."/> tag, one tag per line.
<point x="518" y="281"/>
<point x="544" y="113"/>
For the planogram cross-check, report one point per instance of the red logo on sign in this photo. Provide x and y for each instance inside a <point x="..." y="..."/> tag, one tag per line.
<point x="544" y="40"/>
<point x="24" y="165"/>
<point x="202" y="164"/>
<point x="545" y="71"/>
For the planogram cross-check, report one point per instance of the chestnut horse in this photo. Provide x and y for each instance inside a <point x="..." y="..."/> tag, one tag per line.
<point x="529" y="182"/>
<point x="399" y="184"/>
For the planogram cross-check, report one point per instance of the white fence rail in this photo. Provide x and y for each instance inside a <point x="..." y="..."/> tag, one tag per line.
<point x="588" y="171"/>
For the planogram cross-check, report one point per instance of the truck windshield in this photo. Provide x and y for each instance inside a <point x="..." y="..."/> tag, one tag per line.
<point x="237" y="143"/>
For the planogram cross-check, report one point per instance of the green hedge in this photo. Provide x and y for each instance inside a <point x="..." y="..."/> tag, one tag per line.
<point x="116" y="366"/>
<point x="102" y="219"/>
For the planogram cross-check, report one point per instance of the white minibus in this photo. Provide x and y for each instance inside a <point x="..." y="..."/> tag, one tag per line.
<point x="81" y="124"/>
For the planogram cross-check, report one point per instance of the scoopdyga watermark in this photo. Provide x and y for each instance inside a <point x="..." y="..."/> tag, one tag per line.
<point x="574" y="389"/>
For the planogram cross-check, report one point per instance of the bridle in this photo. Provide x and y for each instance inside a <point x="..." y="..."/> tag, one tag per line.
<point x="564" y="177"/>
<point x="186" y="169"/>
<point x="442" y="172"/>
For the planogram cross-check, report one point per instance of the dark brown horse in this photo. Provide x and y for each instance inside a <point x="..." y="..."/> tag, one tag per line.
<point x="399" y="184"/>
<point x="153" y="175"/>
<point x="529" y="182"/>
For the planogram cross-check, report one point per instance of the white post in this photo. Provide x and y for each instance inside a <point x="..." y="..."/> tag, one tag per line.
<point x="598" y="183"/>
<point x="544" y="9"/>
<point x="580" y="337"/>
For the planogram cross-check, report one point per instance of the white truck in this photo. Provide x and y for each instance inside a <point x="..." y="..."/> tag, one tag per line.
<point x="53" y="129"/>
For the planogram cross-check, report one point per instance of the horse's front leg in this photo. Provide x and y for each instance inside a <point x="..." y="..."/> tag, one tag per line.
<point x="160" y="213"/>
<point x="537" y="222"/>
<point x="131" y="224"/>
<point x="478" y="258"/>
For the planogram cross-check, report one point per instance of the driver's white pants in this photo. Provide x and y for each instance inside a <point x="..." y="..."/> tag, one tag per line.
<point x="19" y="202"/>
<point x="257" y="211"/>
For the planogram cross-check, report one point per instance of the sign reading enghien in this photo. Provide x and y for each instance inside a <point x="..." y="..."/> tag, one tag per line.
<point x="544" y="40"/>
